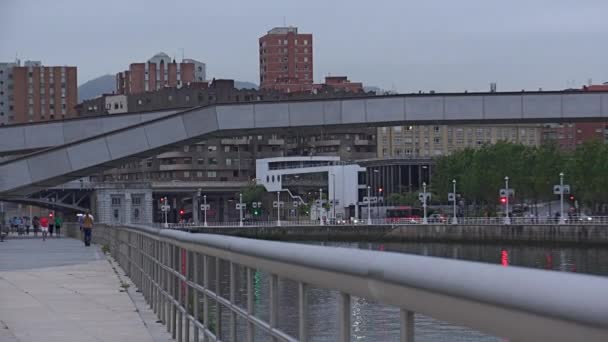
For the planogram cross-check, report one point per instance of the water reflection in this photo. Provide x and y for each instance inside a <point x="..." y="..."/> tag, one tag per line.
<point x="372" y="321"/>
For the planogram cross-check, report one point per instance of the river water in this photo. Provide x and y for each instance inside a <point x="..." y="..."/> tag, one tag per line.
<point x="376" y="322"/>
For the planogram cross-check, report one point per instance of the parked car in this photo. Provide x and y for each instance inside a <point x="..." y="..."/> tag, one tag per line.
<point x="437" y="218"/>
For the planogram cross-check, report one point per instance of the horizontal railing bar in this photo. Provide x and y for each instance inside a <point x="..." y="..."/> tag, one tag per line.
<point x="542" y="303"/>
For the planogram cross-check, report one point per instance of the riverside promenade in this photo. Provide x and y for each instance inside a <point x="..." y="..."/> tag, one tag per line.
<point x="59" y="290"/>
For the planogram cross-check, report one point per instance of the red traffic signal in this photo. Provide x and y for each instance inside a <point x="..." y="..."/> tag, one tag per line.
<point x="572" y="197"/>
<point x="51" y="215"/>
<point x="503" y="200"/>
<point x="380" y="190"/>
<point x="182" y="212"/>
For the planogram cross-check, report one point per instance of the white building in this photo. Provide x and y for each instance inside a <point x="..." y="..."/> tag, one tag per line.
<point x="116" y="104"/>
<point x="338" y="181"/>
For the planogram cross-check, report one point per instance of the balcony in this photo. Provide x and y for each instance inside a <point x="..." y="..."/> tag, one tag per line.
<point x="276" y="141"/>
<point x="234" y="141"/>
<point x="173" y="154"/>
<point x="361" y="142"/>
<point x="180" y="167"/>
<point x="320" y="143"/>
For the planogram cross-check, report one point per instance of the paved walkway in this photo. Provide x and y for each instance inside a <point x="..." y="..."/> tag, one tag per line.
<point x="59" y="290"/>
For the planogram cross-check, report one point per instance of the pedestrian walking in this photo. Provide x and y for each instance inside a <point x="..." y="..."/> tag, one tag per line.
<point x="58" y="223"/>
<point x="44" y="227"/>
<point x="36" y="225"/>
<point x="51" y="224"/>
<point x="87" y="227"/>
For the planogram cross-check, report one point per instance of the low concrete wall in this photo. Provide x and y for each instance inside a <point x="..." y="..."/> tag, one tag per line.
<point x="304" y="233"/>
<point x="581" y="234"/>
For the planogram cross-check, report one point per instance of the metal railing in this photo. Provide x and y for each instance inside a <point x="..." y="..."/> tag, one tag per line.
<point x="173" y="270"/>
<point x="462" y="221"/>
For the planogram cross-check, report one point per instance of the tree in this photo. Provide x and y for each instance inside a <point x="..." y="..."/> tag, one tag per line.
<point x="253" y="193"/>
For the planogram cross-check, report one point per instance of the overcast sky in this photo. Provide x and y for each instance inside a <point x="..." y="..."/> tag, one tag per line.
<point x="405" y="45"/>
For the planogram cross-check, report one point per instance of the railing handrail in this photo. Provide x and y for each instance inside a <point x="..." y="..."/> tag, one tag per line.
<point x="519" y="303"/>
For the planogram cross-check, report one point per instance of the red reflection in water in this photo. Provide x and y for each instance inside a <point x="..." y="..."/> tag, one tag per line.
<point x="549" y="259"/>
<point x="504" y="258"/>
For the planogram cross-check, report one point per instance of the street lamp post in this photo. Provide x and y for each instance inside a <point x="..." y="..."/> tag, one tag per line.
<point x="507" y="218"/>
<point x="320" y="206"/>
<point x="424" y="219"/>
<point x="562" y="219"/>
<point x="369" y="208"/>
<point x="205" y="211"/>
<point x="166" y="212"/>
<point x="241" y="209"/>
<point x="278" y="208"/>
<point x="454" y="219"/>
<point x="333" y="204"/>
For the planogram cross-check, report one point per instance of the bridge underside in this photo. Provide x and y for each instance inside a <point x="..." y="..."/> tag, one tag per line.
<point x="80" y="158"/>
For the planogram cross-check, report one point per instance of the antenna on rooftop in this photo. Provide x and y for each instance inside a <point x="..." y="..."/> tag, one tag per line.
<point x="284" y="21"/>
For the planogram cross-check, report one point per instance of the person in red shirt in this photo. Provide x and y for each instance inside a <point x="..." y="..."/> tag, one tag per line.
<point x="44" y="227"/>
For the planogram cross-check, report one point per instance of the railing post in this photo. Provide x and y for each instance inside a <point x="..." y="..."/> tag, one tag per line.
<point x="195" y="304"/>
<point x="344" y="317"/>
<point x="274" y="303"/>
<point x="407" y="325"/>
<point x="205" y="297"/>
<point x="218" y="306"/>
<point x="180" y="295"/>
<point x="232" y="301"/>
<point x="173" y="294"/>
<point x="250" y="329"/>
<point x="187" y="299"/>
<point x="303" y="312"/>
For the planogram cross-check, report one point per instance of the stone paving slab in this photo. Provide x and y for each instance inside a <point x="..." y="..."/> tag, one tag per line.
<point x="81" y="299"/>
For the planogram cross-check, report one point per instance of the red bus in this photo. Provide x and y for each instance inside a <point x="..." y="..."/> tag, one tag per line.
<point x="403" y="214"/>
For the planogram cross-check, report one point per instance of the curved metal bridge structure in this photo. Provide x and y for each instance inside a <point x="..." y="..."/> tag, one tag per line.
<point x="78" y="156"/>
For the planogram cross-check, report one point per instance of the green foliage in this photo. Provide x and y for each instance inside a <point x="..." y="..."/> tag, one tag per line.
<point x="253" y="193"/>
<point x="532" y="172"/>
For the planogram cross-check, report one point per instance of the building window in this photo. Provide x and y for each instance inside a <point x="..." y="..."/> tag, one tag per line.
<point x="200" y="161"/>
<point x="186" y="174"/>
<point x="212" y="161"/>
<point x="211" y="174"/>
<point x="212" y="148"/>
<point x="199" y="174"/>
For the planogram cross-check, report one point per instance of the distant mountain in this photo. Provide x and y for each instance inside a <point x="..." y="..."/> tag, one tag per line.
<point x="245" y="85"/>
<point x="96" y="87"/>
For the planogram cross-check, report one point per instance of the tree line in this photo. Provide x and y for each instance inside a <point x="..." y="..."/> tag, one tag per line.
<point x="532" y="172"/>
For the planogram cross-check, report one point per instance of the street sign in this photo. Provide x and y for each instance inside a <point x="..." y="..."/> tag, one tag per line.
<point x="296" y="204"/>
<point x="276" y="204"/>
<point x="451" y="197"/>
<point x="423" y="195"/>
<point x="256" y="204"/>
<point x="503" y="192"/>
<point x="334" y="202"/>
<point x="556" y="189"/>
<point x="165" y="207"/>
<point x="205" y="206"/>
<point x="239" y="205"/>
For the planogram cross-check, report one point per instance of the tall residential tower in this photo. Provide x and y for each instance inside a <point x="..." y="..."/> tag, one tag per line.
<point x="286" y="62"/>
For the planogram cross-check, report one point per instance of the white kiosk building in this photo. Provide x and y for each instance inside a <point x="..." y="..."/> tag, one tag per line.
<point x="297" y="176"/>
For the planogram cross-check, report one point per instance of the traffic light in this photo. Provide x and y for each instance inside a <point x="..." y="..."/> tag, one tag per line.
<point x="182" y="212"/>
<point x="51" y="215"/>
<point x="380" y="190"/>
<point x="572" y="198"/>
<point x="256" y="212"/>
<point x="503" y="200"/>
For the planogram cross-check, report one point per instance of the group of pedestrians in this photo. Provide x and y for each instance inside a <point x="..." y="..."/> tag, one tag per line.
<point x="46" y="225"/>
